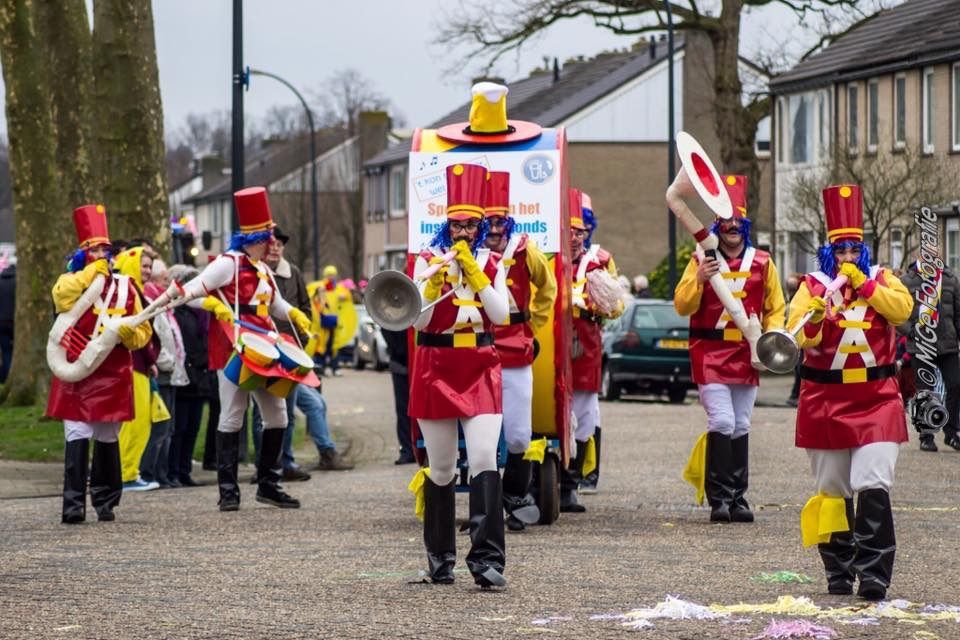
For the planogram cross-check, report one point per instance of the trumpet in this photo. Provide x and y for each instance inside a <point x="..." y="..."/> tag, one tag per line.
<point x="778" y="349"/>
<point x="393" y="298"/>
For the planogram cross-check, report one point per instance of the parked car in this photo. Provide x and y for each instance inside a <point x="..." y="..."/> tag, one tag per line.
<point x="369" y="347"/>
<point x="645" y="351"/>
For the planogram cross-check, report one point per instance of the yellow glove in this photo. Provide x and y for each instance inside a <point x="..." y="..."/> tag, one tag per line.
<point x="472" y="273"/>
<point x="126" y="332"/>
<point x="93" y="269"/>
<point x="300" y="320"/>
<point x="854" y="275"/>
<point x="432" y="291"/>
<point x="219" y="310"/>
<point x="818" y="306"/>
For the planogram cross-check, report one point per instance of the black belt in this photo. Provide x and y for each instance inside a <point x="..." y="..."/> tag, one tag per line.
<point x="836" y="376"/>
<point x="589" y="317"/>
<point x="464" y="340"/>
<point x="247" y="308"/>
<point x="519" y="317"/>
<point x="714" y="334"/>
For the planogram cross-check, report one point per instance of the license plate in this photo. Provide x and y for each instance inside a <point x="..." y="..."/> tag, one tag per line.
<point x="673" y="344"/>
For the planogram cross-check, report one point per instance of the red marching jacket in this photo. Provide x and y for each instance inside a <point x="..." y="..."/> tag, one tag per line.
<point x="587" y="325"/>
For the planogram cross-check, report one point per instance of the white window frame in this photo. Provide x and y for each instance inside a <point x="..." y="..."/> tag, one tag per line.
<point x="898" y="122"/>
<point x="398" y="178"/>
<point x="951" y="249"/>
<point x="853" y="124"/>
<point x="873" y="115"/>
<point x="824" y="115"/>
<point x="781" y="139"/>
<point x="896" y="247"/>
<point x="955" y="106"/>
<point x="927" y="98"/>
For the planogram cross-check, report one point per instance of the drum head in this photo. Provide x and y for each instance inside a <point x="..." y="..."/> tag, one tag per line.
<point x="294" y="354"/>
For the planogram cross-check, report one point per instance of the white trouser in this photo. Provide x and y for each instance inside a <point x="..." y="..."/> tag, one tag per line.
<point x="729" y="407"/>
<point x="482" y="435"/>
<point x="517" y="407"/>
<point x="100" y="431"/>
<point x="841" y="472"/>
<point x="586" y="408"/>
<point x="233" y="404"/>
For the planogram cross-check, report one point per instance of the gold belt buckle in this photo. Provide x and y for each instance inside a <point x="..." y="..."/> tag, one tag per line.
<point x="854" y="375"/>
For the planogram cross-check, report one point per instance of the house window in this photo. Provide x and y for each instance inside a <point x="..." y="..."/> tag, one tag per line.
<point x="928" y="110"/>
<point x="852" y="133"/>
<point x="873" y="118"/>
<point x="780" y="137"/>
<point x="955" y="93"/>
<point x="823" y="137"/>
<point x="800" y="129"/>
<point x="896" y="248"/>
<point x="398" y="192"/>
<point x="900" y="111"/>
<point x="953" y="242"/>
<point x="801" y="243"/>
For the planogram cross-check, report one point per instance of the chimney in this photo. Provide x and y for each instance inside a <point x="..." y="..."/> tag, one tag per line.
<point x="373" y="127"/>
<point x="653" y="48"/>
<point x="211" y="169"/>
<point x="556" y="71"/>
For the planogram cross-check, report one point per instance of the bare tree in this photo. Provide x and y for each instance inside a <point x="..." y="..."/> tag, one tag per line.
<point x="343" y="96"/>
<point x="894" y="185"/>
<point x="494" y="31"/>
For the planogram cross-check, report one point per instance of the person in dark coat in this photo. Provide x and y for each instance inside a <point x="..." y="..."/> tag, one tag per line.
<point x="397" y="350"/>
<point x="947" y="331"/>
<point x="8" y="304"/>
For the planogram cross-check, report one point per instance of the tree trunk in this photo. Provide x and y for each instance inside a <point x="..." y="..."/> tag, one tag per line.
<point x="128" y="122"/>
<point x="43" y="223"/>
<point x="736" y="124"/>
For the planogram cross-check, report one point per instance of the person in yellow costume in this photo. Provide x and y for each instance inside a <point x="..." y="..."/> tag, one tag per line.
<point x="334" y="318"/>
<point x="134" y="434"/>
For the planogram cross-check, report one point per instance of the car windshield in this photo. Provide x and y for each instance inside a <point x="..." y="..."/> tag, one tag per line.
<point x="656" y="317"/>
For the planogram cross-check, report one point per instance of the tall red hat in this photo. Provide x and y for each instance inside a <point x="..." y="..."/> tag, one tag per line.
<point x="465" y="187"/>
<point x="737" y="190"/>
<point x="843" y="206"/>
<point x="496" y="199"/>
<point x="90" y="220"/>
<point x="253" y="210"/>
<point x="576" y="208"/>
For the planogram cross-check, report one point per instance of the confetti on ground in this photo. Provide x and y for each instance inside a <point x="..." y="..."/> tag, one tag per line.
<point x="783" y="577"/>
<point x="638" y="624"/>
<point x="607" y="616"/>
<point x="487" y="619"/>
<point x="675" y="609"/>
<point x="69" y="627"/>
<point x="550" y="619"/>
<point x="925" y="635"/>
<point x="796" y="629"/>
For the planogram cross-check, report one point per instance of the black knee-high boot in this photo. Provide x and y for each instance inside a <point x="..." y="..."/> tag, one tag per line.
<point x="876" y="543"/>
<point x="570" y="481"/>
<point x="589" y="483"/>
<point x="719" y="481"/>
<point x="75" y="481"/>
<point x="268" y="472"/>
<point x="837" y="556"/>
<point x="520" y="506"/>
<point x="740" y="471"/>
<point x="440" y="529"/>
<point x="488" y="548"/>
<point x="228" y="452"/>
<point x="106" y="479"/>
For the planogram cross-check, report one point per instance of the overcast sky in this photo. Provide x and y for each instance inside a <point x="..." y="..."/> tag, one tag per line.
<point x="388" y="41"/>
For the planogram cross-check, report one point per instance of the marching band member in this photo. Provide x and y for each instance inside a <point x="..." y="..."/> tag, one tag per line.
<point x="720" y="355"/>
<point x="525" y="265"/>
<point x="456" y="376"/>
<point x="850" y="417"/>
<point x="587" y="357"/>
<point x="239" y="279"/>
<point x="96" y="405"/>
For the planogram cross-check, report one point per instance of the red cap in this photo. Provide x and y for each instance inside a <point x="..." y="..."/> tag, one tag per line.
<point x="737" y="190"/>
<point x="843" y="206"/>
<point x="90" y="221"/>
<point x="465" y="187"/>
<point x="253" y="210"/>
<point x="576" y="208"/>
<point x="496" y="200"/>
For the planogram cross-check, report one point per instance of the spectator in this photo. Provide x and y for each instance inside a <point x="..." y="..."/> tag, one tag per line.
<point x="201" y="385"/>
<point x="641" y="286"/>
<point x="947" y="332"/>
<point x="8" y="303"/>
<point x="397" y="350"/>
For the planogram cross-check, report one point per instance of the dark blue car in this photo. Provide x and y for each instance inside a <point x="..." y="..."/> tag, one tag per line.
<point x="646" y="351"/>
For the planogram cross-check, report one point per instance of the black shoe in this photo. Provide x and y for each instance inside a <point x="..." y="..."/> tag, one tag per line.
<point x="268" y="476"/>
<point x="927" y="444"/>
<point x="106" y="480"/>
<point x="740" y="472"/>
<point x="487" y="555"/>
<point x="951" y="440"/>
<point x="870" y="590"/>
<point x="187" y="481"/>
<point x="514" y="525"/>
<point x="405" y="460"/>
<point x="229" y="504"/>
<point x="569" y="502"/>
<point x="270" y="493"/>
<point x="295" y="474"/>
<point x="439" y="530"/>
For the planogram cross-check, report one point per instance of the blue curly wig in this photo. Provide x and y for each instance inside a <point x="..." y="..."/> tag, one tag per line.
<point x="590" y="222"/>
<point x="828" y="262"/>
<point x="441" y="239"/>
<point x="745" y="225"/>
<point x="239" y="240"/>
<point x="78" y="260"/>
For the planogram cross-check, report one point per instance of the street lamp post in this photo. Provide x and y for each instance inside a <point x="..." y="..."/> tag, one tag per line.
<point x="313" y="167"/>
<point x="671" y="168"/>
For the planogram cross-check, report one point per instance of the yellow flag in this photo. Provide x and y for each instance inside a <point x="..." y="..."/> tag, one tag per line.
<point x="696" y="470"/>
<point x="536" y="451"/>
<point x="590" y="457"/>
<point x="821" y="516"/>
<point x="416" y="488"/>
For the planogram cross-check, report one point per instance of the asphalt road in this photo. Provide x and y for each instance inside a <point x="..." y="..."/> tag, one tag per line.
<point x="346" y="564"/>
